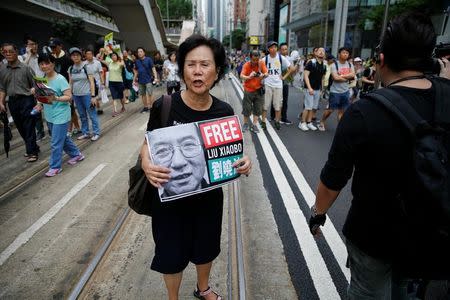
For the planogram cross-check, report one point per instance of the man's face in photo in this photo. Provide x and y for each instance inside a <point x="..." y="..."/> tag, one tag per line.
<point x="180" y="150"/>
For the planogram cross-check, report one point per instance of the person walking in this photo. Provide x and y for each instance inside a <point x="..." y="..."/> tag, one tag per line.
<point x="30" y="58"/>
<point x="83" y="93"/>
<point x="94" y="67"/>
<point x="171" y="71"/>
<point x="253" y="72"/>
<point x="194" y="236"/>
<point x="144" y="75"/>
<point x="16" y="82"/>
<point x="127" y="75"/>
<point x="342" y="72"/>
<point x="116" y="87"/>
<point x="57" y="115"/>
<point x="275" y="63"/>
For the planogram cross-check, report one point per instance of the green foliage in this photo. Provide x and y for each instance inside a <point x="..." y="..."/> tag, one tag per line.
<point x="237" y="38"/>
<point x="178" y="9"/>
<point x="376" y="13"/>
<point x="67" y="29"/>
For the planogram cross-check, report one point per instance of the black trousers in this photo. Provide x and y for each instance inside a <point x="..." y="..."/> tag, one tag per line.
<point x="20" y="108"/>
<point x="284" y="107"/>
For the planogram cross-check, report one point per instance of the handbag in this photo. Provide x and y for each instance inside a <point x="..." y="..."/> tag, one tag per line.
<point x="140" y="191"/>
<point x="104" y="95"/>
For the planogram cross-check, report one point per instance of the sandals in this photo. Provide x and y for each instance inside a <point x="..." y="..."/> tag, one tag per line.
<point x="200" y="295"/>
<point x="32" y="158"/>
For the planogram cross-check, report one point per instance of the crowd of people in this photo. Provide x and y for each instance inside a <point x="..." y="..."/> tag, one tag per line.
<point x="267" y="76"/>
<point x="84" y="76"/>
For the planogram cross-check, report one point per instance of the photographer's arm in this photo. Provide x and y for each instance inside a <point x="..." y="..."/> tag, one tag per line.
<point x="445" y="68"/>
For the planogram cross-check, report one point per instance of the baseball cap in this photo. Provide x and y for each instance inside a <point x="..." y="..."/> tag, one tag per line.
<point x="73" y="50"/>
<point x="55" y="42"/>
<point x="357" y="59"/>
<point x="271" y="43"/>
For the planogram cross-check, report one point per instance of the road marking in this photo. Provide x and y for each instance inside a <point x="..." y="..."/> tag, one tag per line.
<point x="330" y="233"/>
<point x="320" y="274"/>
<point x="25" y="236"/>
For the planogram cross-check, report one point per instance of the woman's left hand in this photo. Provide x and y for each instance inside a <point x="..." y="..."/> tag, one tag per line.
<point x="243" y="165"/>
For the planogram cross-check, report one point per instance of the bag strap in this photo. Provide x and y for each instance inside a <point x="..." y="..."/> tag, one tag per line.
<point x="400" y="108"/>
<point x="165" y="110"/>
<point x="442" y="106"/>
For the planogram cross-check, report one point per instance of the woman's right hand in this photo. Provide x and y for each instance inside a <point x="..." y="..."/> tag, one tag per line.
<point x="156" y="175"/>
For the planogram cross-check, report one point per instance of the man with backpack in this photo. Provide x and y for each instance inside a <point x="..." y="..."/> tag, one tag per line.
<point x="273" y="83"/>
<point x="342" y="72"/>
<point x="395" y="142"/>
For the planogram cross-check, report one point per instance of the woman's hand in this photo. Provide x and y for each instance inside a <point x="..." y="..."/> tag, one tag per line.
<point x="156" y="175"/>
<point x="243" y="165"/>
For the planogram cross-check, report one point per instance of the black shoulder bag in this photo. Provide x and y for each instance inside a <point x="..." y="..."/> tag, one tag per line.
<point x="140" y="192"/>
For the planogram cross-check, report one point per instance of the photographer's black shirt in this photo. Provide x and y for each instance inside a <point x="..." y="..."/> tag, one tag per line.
<point x="373" y="147"/>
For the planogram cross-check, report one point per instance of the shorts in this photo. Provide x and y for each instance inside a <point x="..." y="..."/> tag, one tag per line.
<point x="116" y="89"/>
<point x="339" y="100"/>
<point x="273" y="96"/>
<point x="145" y="89"/>
<point x="186" y="230"/>
<point x="312" y="101"/>
<point x="252" y="103"/>
<point x="128" y="84"/>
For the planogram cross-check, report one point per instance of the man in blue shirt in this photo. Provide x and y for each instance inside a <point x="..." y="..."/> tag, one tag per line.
<point x="145" y="74"/>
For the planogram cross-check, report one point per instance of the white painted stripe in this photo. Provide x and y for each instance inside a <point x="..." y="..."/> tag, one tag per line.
<point x="25" y="236"/>
<point x="329" y="231"/>
<point x="318" y="269"/>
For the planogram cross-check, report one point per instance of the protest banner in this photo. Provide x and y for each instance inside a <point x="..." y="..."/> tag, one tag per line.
<point x="42" y="92"/>
<point x="109" y="41"/>
<point x="200" y="155"/>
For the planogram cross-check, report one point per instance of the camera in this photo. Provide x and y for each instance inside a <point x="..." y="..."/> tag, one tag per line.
<point x="441" y="50"/>
<point x="257" y="74"/>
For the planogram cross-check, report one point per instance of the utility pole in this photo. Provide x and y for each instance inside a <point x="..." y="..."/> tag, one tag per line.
<point x="385" y="18"/>
<point x="325" y="38"/>
<point x="167" y="13"/>
<point x="337" y="27"/>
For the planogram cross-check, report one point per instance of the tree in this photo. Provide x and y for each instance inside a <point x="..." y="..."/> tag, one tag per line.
<point x="376" y="14"/>
<point x="178" y="9"/>
<point x="67" y="29"/>
<point x="237" y="38"/>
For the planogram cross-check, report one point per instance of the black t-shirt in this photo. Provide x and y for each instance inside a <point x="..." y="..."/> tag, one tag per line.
<point x="129" y="64"/>
<point x="316" y="72"/>
<point x="180" y="113"/>
<point x="375" y="148"/>
<point x="370" y="75"/>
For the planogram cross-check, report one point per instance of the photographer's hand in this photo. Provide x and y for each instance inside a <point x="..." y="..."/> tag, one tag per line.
<point x="445" y="68"/>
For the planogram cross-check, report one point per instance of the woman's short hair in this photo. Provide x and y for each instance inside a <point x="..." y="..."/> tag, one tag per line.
<point x="172" y="53"/>
<point x="47" y="58"/>
<point x="114" y="53"/>
<point x="408" y="42"/>
<point x="195" y="41"/>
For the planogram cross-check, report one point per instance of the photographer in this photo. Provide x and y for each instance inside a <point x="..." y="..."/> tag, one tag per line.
<point x="373" y="146"/>
<point x="252" y="73"/>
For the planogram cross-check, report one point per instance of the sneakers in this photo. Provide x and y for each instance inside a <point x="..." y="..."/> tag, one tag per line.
<point x="83" y="137"/>
<point x="286" y="121"/>
<point x="254" y="128"/>
<point x="303" y="126"/>
<point x="95" y="137"/>
<point x="321" y="127"/>
<point x="277" y="125"/>
<point x="75" y="159"/>
<point x="311" y="126"/>
<point x="144" y="110"/>
<point x="53" y="172"/>
<point x="245" y="127"/>
<point x="99" y="112"/>
<point x="263" y="125"/>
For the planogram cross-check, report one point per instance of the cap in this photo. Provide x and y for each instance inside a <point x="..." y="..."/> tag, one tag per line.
<point x="55" y="42"/>
<point x="271" y="43"/>
<point x="330" y="57"/>
<point x="73" y="50"/>
<point x="357" y="59"/>
<point x="255" y="53"/>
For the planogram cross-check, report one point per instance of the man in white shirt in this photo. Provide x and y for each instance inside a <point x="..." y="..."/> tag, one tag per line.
<point x="93" y="66"/>
<point x="274" y="83"/>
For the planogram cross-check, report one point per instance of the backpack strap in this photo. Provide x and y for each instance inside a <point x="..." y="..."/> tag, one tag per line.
<point x="400" y="108"/>
<point x="165" y="110"/>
